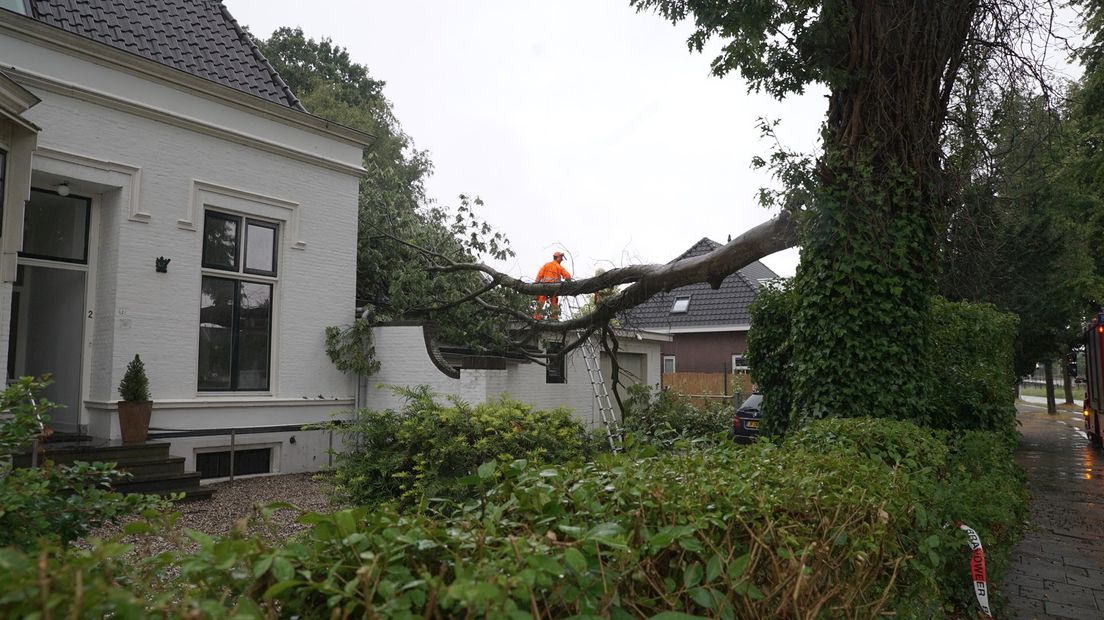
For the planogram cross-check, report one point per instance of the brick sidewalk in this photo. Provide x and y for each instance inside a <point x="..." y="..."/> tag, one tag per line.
<point x="1057" y="570"/>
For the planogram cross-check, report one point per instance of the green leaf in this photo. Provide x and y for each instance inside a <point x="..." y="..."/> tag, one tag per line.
<point x="677" y="615"/>
<point x="279" y="588"/>
<point x="486" y="470"/>
<point x="692" y="576"/>
<point x="737" y="567"/>
<point x="576" y="560"/>
<point x="603" y="531"/>
<point x="713" y="568"/>
<point x="261" y="566"/>
<point x="706" y="597"/>
<point x="545" y="564"/>
<point x="282" y="569"/>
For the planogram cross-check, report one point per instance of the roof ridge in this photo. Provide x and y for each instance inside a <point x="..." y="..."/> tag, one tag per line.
<point x="293" y="101"/>
<point x="706" y="240"/>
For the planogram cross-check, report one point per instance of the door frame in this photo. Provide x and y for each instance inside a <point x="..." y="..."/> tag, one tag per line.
<point x="19" y="340"/>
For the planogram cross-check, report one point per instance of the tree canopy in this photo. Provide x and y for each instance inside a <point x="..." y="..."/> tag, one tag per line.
<point x="874" y="208"/>
<point x="391" y="280"/>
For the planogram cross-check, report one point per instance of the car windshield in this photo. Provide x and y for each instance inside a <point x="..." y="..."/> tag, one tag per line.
<point x="752" y="402"/>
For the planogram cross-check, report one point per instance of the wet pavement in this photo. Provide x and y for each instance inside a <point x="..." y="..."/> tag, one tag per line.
<point x="1057" y="570"/>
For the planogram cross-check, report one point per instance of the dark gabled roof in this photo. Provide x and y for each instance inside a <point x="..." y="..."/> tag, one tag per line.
<point x="199" y="37"/>
<point x="727" y="305"/>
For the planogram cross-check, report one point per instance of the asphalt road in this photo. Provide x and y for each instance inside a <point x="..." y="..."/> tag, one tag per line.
<point x="1057" y="570"/>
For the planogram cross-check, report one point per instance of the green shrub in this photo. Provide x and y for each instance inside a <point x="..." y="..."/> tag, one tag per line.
<point x="971" y="367"/>
<point x="770" y="349"/>
<point x="850" y="518"/>
<point x="662" y="417"/>
<point x="428" y="448"/>
<point x="970" y="478"/>
<point x="967" y="366"/>
<point x="55" y="504"/>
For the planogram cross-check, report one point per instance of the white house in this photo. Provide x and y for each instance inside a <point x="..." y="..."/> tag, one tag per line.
<point x="165" y="194"/>
<point x="135" y="131"/>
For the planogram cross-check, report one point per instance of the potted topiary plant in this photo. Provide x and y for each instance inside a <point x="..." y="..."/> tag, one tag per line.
<point x="135" y="406"/>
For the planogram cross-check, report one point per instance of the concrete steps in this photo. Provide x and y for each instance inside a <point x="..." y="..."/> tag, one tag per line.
<point x="152" y="469"/>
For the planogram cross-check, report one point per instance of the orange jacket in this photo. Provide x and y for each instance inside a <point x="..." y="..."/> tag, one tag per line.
<point x="552" y="272"/>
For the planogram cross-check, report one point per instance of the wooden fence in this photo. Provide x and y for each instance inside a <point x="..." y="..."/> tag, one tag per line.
<point x="707" y="387"/>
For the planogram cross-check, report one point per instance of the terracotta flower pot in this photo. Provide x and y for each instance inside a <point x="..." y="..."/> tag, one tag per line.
<point x="134" y="420"/>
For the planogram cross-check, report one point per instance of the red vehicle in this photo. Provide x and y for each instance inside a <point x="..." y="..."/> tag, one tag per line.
<point x="1093" y="410"/>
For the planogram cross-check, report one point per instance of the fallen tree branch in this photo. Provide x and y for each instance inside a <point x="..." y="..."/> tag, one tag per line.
<point x="644" y="281"/>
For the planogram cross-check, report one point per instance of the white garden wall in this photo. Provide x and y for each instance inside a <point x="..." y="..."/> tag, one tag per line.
<point x="405" y="361"/>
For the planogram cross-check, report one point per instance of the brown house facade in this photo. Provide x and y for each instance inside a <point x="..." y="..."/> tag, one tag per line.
<point x="708" y="326"/>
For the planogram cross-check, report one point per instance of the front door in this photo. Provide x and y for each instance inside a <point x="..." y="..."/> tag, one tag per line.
<point x="48" y="301"/>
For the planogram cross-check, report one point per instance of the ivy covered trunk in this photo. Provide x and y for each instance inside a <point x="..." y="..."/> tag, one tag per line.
<point x="868" y="263"/>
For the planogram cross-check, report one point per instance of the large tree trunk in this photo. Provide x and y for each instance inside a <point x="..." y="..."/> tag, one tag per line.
<point x="869" y="245"/>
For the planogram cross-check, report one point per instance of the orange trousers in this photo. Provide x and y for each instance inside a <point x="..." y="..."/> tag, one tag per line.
<point x="554" y="310"/>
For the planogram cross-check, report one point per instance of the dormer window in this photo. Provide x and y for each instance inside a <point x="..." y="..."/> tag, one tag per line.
<point x="681" y="305"/>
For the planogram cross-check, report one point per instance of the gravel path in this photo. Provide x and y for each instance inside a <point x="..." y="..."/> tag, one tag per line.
<point x="232" y="502"/>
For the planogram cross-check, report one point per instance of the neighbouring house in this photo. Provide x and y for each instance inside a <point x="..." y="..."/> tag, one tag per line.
<point x="165" y="194"/>
<point x="708" y="327"/>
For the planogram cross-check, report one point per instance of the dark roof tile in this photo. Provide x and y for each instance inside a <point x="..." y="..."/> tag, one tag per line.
<point x="199" y="37"/>
<point x="727" y="305"/>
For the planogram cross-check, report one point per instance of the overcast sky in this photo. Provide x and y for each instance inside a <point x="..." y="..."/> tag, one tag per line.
<point x="584" y="126"/>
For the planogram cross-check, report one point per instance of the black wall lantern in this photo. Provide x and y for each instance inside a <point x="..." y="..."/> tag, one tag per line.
<point x="162" y="264"/>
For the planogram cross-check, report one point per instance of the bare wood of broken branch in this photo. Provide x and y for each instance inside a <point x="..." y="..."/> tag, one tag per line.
<point x="767" y="238"/>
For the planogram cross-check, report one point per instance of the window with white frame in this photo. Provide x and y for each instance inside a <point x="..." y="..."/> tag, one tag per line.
<point x="235" y="316"/>
<point x="681" y="305"/>
<point x="739" y="363"/>
<point x="668" y="364"/>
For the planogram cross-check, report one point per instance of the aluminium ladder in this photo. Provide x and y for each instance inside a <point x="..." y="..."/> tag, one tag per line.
<point x="593" y="363"/>
<point x="601" y="395"/>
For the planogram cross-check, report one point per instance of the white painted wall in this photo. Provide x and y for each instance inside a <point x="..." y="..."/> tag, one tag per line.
<point x="152" y="157"/>
<point x="309" y="452"/>
<point x="405" y="362"/>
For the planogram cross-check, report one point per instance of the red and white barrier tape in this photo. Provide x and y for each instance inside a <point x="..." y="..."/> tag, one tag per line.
<point x="977" y="568"/>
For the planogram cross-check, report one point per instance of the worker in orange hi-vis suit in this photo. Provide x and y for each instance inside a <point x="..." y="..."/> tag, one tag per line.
<point x="552" y="271"/>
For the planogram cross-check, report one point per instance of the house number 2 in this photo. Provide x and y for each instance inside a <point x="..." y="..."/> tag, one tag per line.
<point x="89" y="314"/>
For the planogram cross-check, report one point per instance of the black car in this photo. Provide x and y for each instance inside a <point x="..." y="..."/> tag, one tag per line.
<point x="745" y="423"/>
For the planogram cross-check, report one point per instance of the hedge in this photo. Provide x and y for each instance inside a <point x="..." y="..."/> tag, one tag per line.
<point x="967" y="372"/>
<point x="849" y="518"/>
<point x="424" y="450"/>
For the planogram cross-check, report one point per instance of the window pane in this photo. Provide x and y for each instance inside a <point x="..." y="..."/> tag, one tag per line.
<point x="254" y="323"/>
<point x="682" y="304"/>
<point x="216" y="319"/>
<point x="260" y="247"/>
<point x="18" y="6"/>
<point x="56" y="227"/>
<point x="220" y="241"/>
